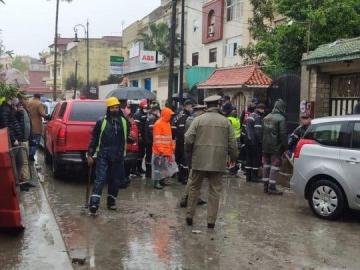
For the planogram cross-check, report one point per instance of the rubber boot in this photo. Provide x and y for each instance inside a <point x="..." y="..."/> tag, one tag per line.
<point x="148" y="171"/>
<point x="248" y="175"/>
<point x="272" y="190"/>
<point x="183" y="201"/>
<point x="266" y="186"/>
<point x="254" y="177"/>
<point x="157" y="185"/>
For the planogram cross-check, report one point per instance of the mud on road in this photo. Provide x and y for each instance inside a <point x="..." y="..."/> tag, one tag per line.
<point x="254" y="230"/>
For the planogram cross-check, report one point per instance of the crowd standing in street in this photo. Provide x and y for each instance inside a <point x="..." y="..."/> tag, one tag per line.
<point x="274" y="145"/>
<point x="209" y="140"/>
<point x="108" y="146"/>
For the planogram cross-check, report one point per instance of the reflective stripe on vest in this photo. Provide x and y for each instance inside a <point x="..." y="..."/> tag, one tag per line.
<point x="163" y="139"/>
<point x="103" y="126"/>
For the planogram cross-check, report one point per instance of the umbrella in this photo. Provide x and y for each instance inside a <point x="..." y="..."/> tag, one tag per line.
<point x="131" y="93"/>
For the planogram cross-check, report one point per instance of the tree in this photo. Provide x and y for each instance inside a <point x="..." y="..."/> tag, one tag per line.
<point x="157" y="39"/>
<point x="20" y="65"/>
<point x="71" y="81"/>
<point x="308" y="24"/>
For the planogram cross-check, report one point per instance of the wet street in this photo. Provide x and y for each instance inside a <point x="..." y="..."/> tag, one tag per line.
<point x="254" y="231"/>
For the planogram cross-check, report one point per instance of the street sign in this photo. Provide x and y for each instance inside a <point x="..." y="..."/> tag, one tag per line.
<point x="92" y="90"/>
<point x="148" y="57"/>
<point x="116" y="65"/>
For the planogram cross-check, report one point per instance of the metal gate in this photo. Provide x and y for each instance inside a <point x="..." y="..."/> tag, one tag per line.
<point x="345" y="94"/>
<point x="286" y="87"/>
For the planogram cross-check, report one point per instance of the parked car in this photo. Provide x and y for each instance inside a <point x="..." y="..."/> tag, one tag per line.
<point x="49" y="107"/>
<point x="68" y="134"/>
<point x="327" y="166"/>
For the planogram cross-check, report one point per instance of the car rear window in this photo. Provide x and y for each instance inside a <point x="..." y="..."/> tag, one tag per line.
<point x="87" y="111"/>
<point x="326" y="133"/>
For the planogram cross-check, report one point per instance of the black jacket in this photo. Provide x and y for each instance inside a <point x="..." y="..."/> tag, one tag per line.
<point x="140" y="119"/>
<point x="254" y="129"/>
<point x="179" y="123"/>
<point x="13" y="120"/>
<point x="150" y="121"/>
<point x="297" y="134"/>
<point x="112" y="138"/>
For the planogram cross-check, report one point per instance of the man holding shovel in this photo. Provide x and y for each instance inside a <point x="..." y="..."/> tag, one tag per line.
<point x="108" y="145"/>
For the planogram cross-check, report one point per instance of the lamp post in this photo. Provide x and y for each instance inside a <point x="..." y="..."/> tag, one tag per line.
<point x="86" y="31"/>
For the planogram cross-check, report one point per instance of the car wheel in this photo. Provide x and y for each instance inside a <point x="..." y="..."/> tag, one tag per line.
<point x="56" y="168"/>
<point x="327" y="200"/>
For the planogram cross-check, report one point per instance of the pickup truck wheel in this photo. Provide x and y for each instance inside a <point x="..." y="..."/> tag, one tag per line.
<point x="48" y="157"/>
<point x="56" y="168"/>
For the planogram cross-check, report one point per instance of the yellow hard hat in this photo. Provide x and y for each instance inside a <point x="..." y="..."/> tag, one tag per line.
<point x="112" y="101"/>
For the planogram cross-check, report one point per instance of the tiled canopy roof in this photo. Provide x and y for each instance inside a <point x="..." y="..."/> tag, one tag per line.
<point x="340" y="50"/>
<point x="246" y="76"/>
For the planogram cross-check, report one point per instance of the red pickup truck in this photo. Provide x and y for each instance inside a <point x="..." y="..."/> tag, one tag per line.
<point x="68" y="134"/>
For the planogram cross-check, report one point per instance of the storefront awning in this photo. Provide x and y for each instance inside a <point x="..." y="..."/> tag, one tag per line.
<point x="196" y="75"/>
<point x="237" y="77"/>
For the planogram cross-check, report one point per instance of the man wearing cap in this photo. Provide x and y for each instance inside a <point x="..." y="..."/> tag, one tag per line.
<point x="299" y="132"/>
<point x="198" y="110"/>
<point x="140" y="119"/>
<point x="253" y="142"/>
<point x="179" y="124"/>
<point x="209" y="140"/>
<point x="108" y="145"/>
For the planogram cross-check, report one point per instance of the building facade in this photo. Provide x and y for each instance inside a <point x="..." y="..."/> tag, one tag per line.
<point x="70" y="52"/>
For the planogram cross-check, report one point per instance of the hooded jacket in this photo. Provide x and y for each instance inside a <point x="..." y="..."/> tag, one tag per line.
<point x="274" y="130"/>
<point x="163" y="143"/>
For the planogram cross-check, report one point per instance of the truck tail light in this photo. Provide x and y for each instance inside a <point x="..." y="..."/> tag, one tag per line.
<point x="61" y="136"/>
<point x="300" y="144"/>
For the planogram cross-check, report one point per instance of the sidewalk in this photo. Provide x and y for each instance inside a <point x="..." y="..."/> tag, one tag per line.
<point x="40" y="246"/>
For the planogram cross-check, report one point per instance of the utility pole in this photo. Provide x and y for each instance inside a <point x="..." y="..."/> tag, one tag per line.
<point x="55" y="48"/>
<point x="76" y="80"/>
<point x="87" y="58"/>
<point x="172" y="52"/>
<point x="181" y="75"/>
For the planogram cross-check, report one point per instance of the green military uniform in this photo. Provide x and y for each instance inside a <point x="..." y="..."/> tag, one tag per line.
<point x="210" y="139"/>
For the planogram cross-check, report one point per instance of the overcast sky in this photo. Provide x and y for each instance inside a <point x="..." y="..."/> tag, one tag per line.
<point x="28" y="25"/>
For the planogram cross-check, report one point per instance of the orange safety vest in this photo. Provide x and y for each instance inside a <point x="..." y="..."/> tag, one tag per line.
<point x="163" y="144"/>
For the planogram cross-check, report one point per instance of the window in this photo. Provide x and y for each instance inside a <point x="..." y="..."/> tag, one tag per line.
<point x="234" y="9"/>
<point x="212" y="55"/>
<point x="231" y="47"/>
<point x="327" y="134"/>
<point x="211" y="23"/>
<point x="87" y="111"/>
<point x="355" y="138"/>
<point x="135" y="83"/>
<point x="62" y="111"/>
<point x="195" y="59"/>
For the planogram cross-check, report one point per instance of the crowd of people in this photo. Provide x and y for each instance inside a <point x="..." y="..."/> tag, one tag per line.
<point x="23" y="118"/>
<point x="199" y="142"/>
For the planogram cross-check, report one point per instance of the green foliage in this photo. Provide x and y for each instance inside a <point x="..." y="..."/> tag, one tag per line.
<point x="7" y="92"/>
<point x="20" y="65"/>
<point x="280" y="48"/>
<point x="71" y="81"/>
<point x="158" y="39"/>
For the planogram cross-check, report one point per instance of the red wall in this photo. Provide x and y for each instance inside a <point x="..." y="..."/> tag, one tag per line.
<point x="218" y="7"/>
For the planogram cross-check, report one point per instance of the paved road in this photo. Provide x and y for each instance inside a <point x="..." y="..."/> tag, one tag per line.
<point x="254" y="231"/>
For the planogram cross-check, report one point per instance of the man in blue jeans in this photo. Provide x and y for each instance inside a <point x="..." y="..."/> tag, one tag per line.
<point x="108" y="145"/>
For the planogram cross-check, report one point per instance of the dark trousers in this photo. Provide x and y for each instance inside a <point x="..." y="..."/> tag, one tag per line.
<point x="271" y="167"/>
<point x="34" y="144"/>
<point x="181" y="160"/>
<point x="148" y="157"/>
<point x="107" y="171"/>
<point x="253" y="157"/>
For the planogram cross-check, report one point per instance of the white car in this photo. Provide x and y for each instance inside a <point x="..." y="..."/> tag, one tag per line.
<point x="327" y="166"/>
